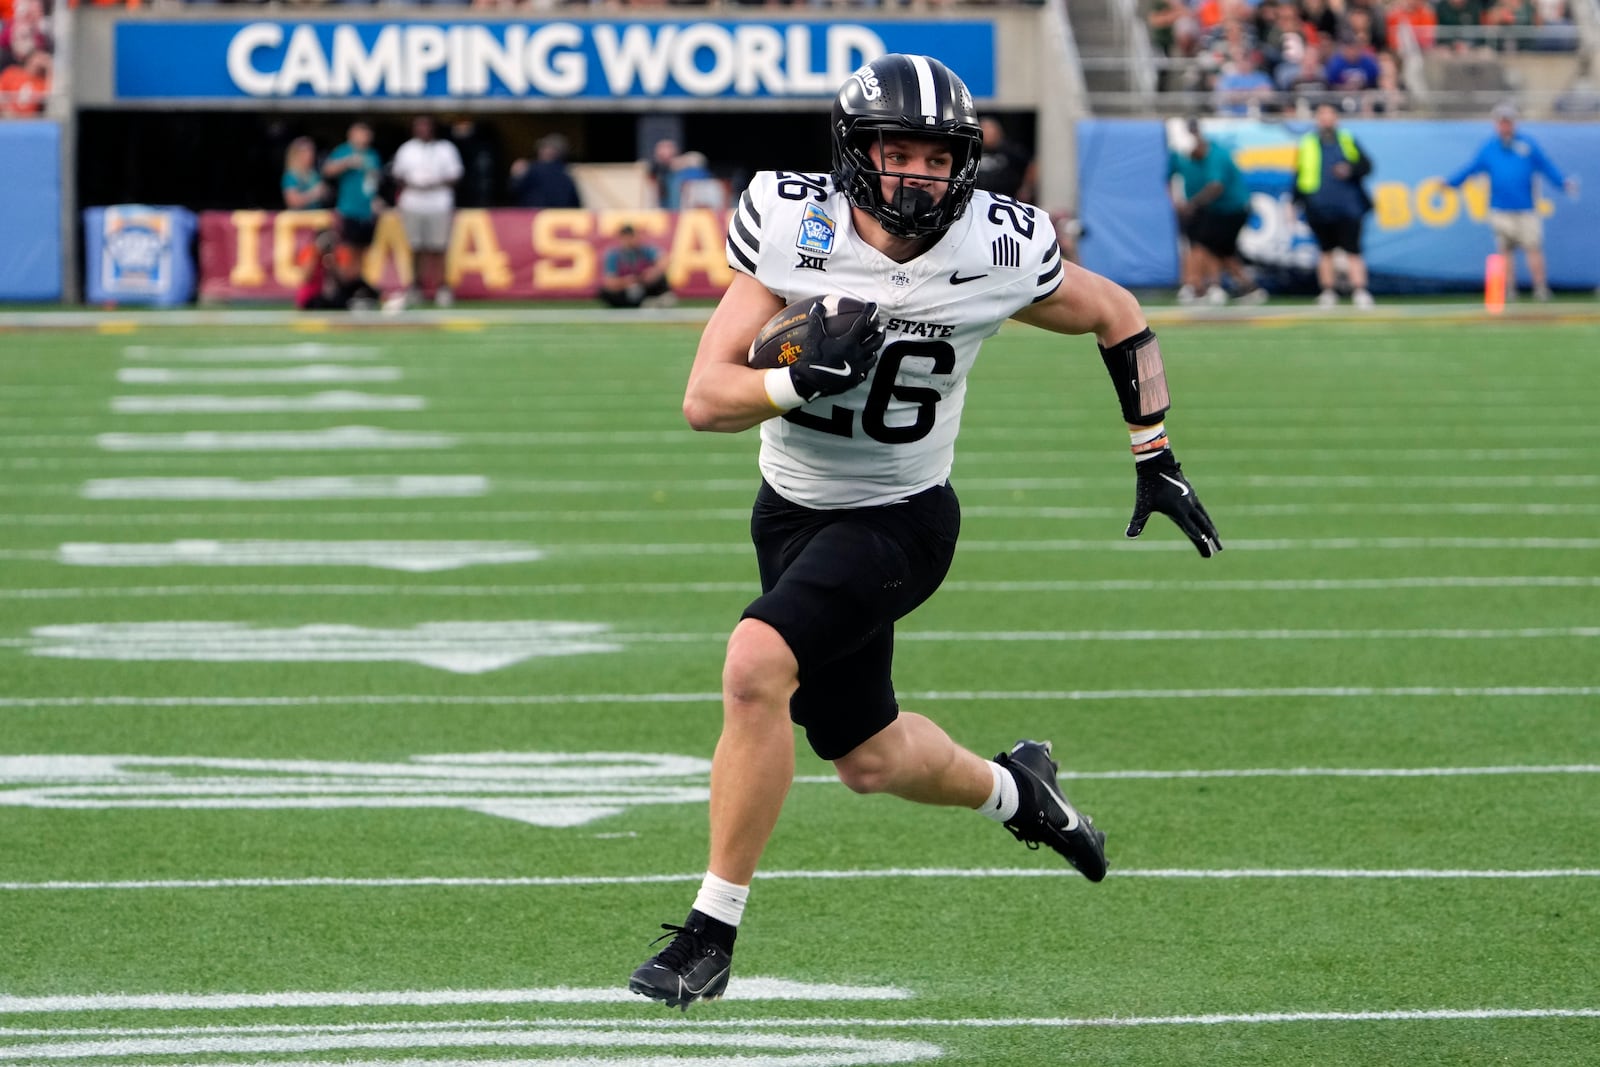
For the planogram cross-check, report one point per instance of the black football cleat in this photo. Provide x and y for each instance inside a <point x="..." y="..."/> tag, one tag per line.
<point x="1043" y="815"/>
<point x="692" y="968"/>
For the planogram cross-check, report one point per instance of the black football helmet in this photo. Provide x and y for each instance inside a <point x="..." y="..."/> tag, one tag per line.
<point x="914" y="95"/>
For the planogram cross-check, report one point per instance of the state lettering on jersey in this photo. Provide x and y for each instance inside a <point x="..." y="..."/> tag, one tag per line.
<point x="918" y="329"/>
<point x="811" y="262"/>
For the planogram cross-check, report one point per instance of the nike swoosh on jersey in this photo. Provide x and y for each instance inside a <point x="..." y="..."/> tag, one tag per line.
<point x="957" y="279"/>
<point x="1183" y="490"/>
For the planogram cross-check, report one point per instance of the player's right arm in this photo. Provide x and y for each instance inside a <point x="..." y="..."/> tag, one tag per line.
<point x="725" y="394"/>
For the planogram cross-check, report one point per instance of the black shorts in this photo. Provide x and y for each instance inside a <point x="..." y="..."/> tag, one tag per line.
<point x="357" y="233"/>
<point x="1337" y="233"/>
<point x="833" y="583"/>
<point x="1217" y="231"/>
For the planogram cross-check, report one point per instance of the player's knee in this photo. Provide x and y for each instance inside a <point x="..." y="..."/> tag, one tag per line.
<point x="862" y="775"/>
<point x="759" y="669"/>
<point x="867" y="768"/>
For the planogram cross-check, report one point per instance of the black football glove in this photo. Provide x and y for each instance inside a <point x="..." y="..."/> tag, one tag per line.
<point x="836" y="364"/>
<point x="1162" y="487"/>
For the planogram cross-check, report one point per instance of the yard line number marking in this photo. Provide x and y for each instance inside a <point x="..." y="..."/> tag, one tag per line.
<point x="549" y="789"/>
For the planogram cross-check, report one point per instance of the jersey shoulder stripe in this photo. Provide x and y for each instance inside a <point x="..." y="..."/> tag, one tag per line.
<point x="774" y="215"/>
<point x="744" y="233"/>
<point x="1050" y="276"/>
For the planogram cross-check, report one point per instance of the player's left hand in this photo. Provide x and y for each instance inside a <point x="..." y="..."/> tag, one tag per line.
<point x="1162" y="487"/>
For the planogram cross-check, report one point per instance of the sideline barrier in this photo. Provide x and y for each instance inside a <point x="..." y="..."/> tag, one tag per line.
<point x="30" y="211"/>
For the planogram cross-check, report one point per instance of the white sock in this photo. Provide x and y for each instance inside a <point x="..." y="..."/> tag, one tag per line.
<point x="722" y="900"/>
<point x="1002" y="803"/>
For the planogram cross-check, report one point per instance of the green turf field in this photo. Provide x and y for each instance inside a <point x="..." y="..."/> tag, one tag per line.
<point x="362" y="715"/>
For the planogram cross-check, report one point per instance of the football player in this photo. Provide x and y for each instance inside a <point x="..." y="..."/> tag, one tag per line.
<point x="855" y="521"/>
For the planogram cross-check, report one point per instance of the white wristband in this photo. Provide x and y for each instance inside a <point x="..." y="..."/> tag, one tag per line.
<point x="780" y="389"/>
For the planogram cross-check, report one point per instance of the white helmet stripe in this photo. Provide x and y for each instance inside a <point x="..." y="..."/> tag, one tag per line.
<point x="929" y="104"/>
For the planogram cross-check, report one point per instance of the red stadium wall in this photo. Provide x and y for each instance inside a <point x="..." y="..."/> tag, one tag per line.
<point x="493" y="254"/>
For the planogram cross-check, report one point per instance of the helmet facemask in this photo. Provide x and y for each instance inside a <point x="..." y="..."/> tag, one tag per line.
<point x="907" y="211"/>
<point x="903" y="96"/>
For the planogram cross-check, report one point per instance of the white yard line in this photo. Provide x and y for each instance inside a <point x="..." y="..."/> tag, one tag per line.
<point x="155" y="640"/>
<point x="950" y="696"/>
<point x="671" y="588"/>
<point x="922" y="873"/>
<point x="750" y="989"/>
<point x="737" y="514"/>
<point x="830" y="1022"/>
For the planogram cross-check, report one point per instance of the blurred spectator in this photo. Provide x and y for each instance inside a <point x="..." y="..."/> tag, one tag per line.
<point x="303" y="187"/>
<point x="545" y="182"/>
<point x="1391" y="94"/>
<point x="1506" y="21"/>
<point x="1557" y="33"/>
<point x="25" y="86"/>
<point x="1241" y="88"/>
<point x="1321" y="17"/>
<point x="1329" y="167"/>
<point x="331" y="276"/>
<point x="691" y="173"/>
<point x="662" y="156"/>
<point x="1288" y="45"/>
<point x="1366" y="18"/>
<point x="355" y="169"/>
<point x="27" y="60"/>
<point x="633" y="274"/>
<point x="479" y="150"/>
<point x="1005" y="167"/>
<point x="1459" y="20"/>
<point x="1235" y="30"/>
<point x="1353" y="70"/>
<point x="1213" y="205"/>
<point x="1263" y="17"/>
<point x="1417" y="14"/>
<point x="1511" y="160"/>
<point x="1174" y="30"/>
<point x="427" y="169"/>
<point x="23" y="32"/>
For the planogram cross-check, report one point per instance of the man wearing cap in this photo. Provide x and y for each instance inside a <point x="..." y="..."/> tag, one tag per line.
<point x="1511" y="160"/>
<point x="633" y="273"/>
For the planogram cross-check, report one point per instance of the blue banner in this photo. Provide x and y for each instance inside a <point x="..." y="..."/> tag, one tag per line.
<point x="516" y="59"/>
<point x="138" y="255"/>
<point x="1129" y="231"/>
<point x="1421" y="233"/>
<point x="30" y="211"/>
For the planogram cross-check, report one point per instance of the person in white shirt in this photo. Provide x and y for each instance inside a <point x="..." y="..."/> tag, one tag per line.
<point x="427" y="169"/>
<point x="855" y="520"/>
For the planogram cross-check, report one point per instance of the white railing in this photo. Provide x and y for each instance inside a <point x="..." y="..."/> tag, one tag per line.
<point x="1140" y="55"/>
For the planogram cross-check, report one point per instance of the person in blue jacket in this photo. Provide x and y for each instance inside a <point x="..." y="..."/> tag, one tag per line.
<point x="1511" y="160"/>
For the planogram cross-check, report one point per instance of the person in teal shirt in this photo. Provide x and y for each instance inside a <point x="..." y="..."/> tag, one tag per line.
<point x="1213" y="206"/>
<point x="354" y="168"/>
<point x="303" y="188"/>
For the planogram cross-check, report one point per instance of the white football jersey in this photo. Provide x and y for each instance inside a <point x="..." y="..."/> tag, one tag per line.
<point x="894" y="434"/>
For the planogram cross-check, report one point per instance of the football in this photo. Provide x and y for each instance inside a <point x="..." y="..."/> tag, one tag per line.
<point x="780" y="342"/>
